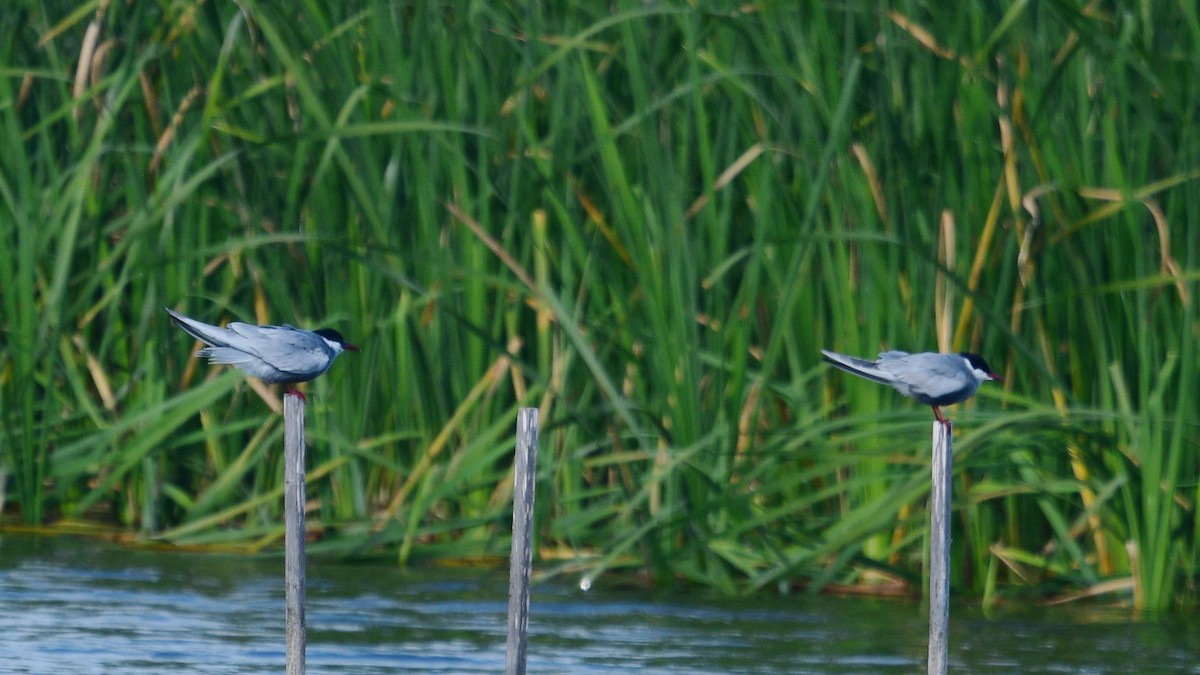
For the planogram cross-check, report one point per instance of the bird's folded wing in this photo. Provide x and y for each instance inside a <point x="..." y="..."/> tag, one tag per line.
<point x="208" y="334"/>
<point x="287" y="349"/>
<point x="931" y="377"/>
<point x="861" y="367"/>
<point x="226" y="356"/>
<point x="256" y="333"/>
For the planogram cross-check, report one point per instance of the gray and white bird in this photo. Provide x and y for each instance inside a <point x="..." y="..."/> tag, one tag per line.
<point x="273" y="354"/>
<point x="932" y="378"/>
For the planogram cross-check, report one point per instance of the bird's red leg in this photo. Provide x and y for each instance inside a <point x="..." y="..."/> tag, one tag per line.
<point x="938" y="414"/>
<point x="293" y="390"/>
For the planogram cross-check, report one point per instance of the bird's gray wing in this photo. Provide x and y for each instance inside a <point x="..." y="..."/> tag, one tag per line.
<point x="871" y="370"/>
<point x="251" y="332"/>
<point x="287" y="349"/>
<point x="211" y="335"/>
<point x="227" y="356"/>
<point x="930" y="375"/>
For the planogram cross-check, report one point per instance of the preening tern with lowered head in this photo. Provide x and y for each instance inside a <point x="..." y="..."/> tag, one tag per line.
<point x="932" y="378"/>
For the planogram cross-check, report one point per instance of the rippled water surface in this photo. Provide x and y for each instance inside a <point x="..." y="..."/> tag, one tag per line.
<point x="81" y="606"/>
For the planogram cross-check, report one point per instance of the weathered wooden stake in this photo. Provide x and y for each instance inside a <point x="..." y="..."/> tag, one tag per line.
<point x="294" y="530"/>
<point x="521" y="560"/>
<point x="939" y="548"/>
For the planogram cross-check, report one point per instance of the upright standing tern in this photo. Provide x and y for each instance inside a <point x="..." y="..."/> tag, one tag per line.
<point x="931" y="378"/>
<point x="273" y="354"/>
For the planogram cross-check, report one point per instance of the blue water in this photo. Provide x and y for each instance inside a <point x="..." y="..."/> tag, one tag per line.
<point x="81" y="606"/>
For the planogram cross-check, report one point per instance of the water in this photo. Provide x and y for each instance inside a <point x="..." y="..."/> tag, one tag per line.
<point x="81" y="606"/>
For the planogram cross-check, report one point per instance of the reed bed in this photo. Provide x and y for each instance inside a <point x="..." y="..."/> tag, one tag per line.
<point x="644" y="219"/>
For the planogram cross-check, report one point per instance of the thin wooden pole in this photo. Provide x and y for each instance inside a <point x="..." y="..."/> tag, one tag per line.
<point x="939" y="548"/>
<point x="521" y="561"/>
<point x="294" y="530"/>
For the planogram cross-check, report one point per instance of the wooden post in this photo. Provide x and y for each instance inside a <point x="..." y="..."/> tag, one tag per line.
<point x="939" y="548"/>
<point x="294" y="530"/>
<point x="521" y="560"/>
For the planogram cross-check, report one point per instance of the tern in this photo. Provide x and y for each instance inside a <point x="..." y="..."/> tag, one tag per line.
<point x="932" y="378"/>
<point x="273" y="354"/>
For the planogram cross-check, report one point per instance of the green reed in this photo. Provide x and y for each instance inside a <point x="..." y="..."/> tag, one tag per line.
<point x="646" y="221"/>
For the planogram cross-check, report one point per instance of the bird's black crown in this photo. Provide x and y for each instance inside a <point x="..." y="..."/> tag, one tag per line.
<point x="331" y="335"/>
<point x="977" y="361"/>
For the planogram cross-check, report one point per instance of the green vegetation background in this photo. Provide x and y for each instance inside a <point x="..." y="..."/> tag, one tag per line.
<point x="645" y="218"/>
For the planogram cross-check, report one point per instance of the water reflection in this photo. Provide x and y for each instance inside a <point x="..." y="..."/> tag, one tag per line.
<point x="81" y="606"/>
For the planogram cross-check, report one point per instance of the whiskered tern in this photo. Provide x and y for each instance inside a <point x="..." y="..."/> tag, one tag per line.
<point x="273" y="354"/>
<point x="932" y="378"/>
